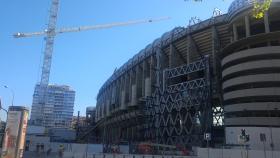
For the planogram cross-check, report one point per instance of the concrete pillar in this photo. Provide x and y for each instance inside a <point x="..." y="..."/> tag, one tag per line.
<point x="138" y="81"/>
<point x="188" y="49"/>
<point x="133" y="95"/>
<point x="102" y="109"/>
<point x="234" y="29"/>
<point x="126" y="88"/>
<point x="103" y="105"/>
<point x="117" y="97"/>
<point x="158" y="67"/>
<point x="110" y="96"/>
<point x="171" y="56"/>
<point x="189" y="43"/>
<point x="214" y="44"/>
<point x="189" y="46"/>
<point x="147" y="87"/>
<point x="247" y="26"/>
<point x="119" y="91"/>
<point x="144" y="71"/>
<point x="96" y="112"/>
<point x="266" y="22"/>
<point x="108" y="100"/>
<point x="123" y="92"/>
<point x="113" y="96"/>
<point x="130" y="85"/>
<point x="152" y="72"/>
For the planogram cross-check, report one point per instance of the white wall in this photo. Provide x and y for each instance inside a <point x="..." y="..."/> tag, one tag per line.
<point x="126" y="156"/>
<point x="34" y="140"/>
<point x="254" y="132"/>
<point x="68" y="147"/>
<point x="236" y="153"/>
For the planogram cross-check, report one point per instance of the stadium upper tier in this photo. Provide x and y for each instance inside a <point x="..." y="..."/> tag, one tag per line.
<point x="164" y="41"/>
<point x="243" y="73"/>
<point x="236" y="7"/>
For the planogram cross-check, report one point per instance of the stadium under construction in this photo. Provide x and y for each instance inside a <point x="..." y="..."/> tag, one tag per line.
<point x="216" y="76"/>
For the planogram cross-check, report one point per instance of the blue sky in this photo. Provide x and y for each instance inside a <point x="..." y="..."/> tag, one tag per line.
<point x="82" y="60"/>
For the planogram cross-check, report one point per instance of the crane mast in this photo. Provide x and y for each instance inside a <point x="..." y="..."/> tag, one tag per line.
<point x="41" y="90"/>
<point x="50" y="32"/>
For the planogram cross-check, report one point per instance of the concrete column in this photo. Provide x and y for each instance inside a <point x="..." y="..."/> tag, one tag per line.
<point x="122" y="98"/>
<point x="266" y="22"/>
<point x="107" y="101"/>
<point x="144" y="72"/>
<point x="100" y="107"/>
<point x="138" y="83"/>
<point x="113" y="96"/>
<point x="171" y="56"/>
<point x="158" y="67"/>
<point x="188" y="49"/>
<point x="189" y="43"/>
<point x="152" y="72"/>
<point x="234" y="29"/>
<point x="104" y="104"/>
<point x="130" y="85"/>
<point x="126" y="87"/>
<point x="118" y="92"/>
<point x="133" y="88"/>
<point x="97" y="112"/>
<point x="112" y="93"/>
<point x="247" y="26"/>
<point x="214" y="40"/>
<point x="147" y="90"/>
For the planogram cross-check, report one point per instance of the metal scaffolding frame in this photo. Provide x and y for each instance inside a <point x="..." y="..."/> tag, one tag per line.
<point x="180" y="113"/>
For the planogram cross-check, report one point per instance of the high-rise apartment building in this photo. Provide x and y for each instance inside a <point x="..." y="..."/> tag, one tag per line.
<point x="53" y="106"/>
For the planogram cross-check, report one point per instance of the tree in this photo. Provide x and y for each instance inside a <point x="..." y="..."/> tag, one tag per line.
<point x="260" y="8"/>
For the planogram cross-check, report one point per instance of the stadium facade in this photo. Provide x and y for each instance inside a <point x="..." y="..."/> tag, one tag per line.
<point x="215" y="76"/>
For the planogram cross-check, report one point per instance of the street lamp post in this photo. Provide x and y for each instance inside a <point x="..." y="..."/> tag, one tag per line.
<point x="3" y="108"/>
<point x="1" y="141"/>
<point x="13" y="93"/>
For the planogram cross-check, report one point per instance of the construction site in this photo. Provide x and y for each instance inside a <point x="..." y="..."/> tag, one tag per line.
<point x="201" y="85"/>
<point x="210" y="88"/>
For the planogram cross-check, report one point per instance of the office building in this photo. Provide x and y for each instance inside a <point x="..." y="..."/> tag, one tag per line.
<point x="55" y="108"/>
